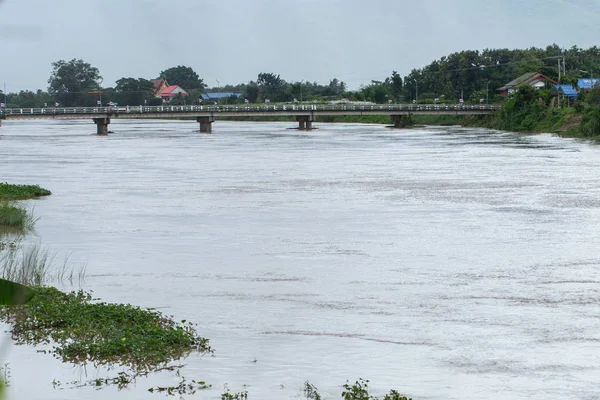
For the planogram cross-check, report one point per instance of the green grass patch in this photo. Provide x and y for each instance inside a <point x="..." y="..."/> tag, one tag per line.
<point x="21" y="192"/>
<point x="86" y="331"/>
<point x="15" y="216"/>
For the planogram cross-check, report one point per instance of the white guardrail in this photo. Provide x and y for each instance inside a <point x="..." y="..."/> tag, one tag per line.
<point x="243" y="108"/>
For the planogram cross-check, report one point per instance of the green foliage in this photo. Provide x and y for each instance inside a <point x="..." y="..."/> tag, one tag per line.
<point x="12" y="293"/>
<point x="396" y="86"/>
<point x="71" y="81"/>
<point x="183" y="76"/>
<point x="155" y="101"/>
<point x="132" y="91"/>
<point x="15" y="216"/>
<point x="310" y="392"/>
<point x="252" y="92"/>
<point x="233" y="396"/>
<point x="21" y="192"/>
<point x="183" y="388"/>
<point x="34" y="265"/>
<point x="101" y="333"/>
<point x="470" y="71"/>
<point x="358" y="391"/>
<point x="4" y="379"/>
<point x="272" y="87"/>
<point x="394" y="395"/>
<point x="590" y="123"/>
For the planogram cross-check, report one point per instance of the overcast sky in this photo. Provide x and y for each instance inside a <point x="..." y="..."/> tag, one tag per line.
<point x="234" y="40"/>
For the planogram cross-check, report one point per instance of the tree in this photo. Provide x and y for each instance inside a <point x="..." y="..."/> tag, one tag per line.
<point x="272" y="86"/>
<point x="133" y="91"/>
<point x="252" y="92"/>
<point x="70" y="82"/>
<point x="396" y="85"/>
<point x="183" y="76"/>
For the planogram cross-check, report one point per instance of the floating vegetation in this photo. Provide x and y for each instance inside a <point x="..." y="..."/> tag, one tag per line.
<point x="360" y="391"/>
<point x="310" y="391"/>
<point x="234" y="396"/>
<point x="21" y="192"/>
<point x="84" y="331"/>
<point x="184" y="387"/>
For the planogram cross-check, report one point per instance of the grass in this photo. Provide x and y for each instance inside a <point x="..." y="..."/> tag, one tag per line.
<point x="21" y="192"/>
<point x="33" y="265"/>
<point x="14" y="216"/>
<point x="83" y="330"/>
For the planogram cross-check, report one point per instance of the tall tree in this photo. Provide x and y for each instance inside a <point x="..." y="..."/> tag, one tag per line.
<point x="272" y="87"/>
<point x="252" y="92"/>
<point x="133" y="91"/>
<point x="396" y="85"/>
<point x="183" y="76"/>
<point x="70" y="82"/>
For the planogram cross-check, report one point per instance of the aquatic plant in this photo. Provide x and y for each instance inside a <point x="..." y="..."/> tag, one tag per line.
<point x="360" y="391"/>
<point x="234" y="396"/>
<point x="85" y="331"/>
<point x="15" y="216"/>
<point x="21" y="192"/>
<point x="310" y="391"/>
<point x="35" y="265"/>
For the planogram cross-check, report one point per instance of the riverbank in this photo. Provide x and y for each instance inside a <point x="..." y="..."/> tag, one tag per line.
<point x="16" y="216"/>
<point x="527" y="111"/>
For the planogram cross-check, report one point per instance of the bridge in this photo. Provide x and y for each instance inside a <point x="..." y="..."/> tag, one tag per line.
<point x="305" y="114"/>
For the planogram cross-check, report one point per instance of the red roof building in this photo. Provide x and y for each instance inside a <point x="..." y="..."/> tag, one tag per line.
<point x="172" y="91"/>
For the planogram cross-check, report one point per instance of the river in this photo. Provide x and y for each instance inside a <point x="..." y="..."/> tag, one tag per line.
<point x="447" y="263"/>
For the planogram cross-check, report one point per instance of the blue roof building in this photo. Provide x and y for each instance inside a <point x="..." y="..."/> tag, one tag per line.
<point x="565" y="90"/>
<point x="587" y="83"/>
<point x="220" y="95"/>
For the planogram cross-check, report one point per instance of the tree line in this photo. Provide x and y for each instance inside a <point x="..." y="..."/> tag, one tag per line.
<point x="470" y="75"/>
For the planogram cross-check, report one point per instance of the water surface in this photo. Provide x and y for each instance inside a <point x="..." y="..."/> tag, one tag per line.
<point x="447" y="263"/>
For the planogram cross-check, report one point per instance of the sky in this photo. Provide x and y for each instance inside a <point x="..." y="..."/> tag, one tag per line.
<point x="232" y="41"/>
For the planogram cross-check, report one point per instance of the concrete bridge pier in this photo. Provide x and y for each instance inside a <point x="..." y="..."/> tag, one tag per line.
<point x="304" y="122"/>
<point x="400" y="121"/>
<point x="205" y="124"/>
<point x="102" y="125"/>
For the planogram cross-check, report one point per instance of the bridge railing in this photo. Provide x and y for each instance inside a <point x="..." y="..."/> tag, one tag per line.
<point x="244" y="108"/>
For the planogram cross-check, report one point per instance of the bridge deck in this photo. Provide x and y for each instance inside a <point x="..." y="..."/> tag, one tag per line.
<point x="242" y="111"/>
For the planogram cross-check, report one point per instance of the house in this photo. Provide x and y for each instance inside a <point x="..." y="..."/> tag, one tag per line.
<point x="159" y="86"/>
<point x="587" y="83"/>
<point x="564" y="90"/>
<point x="171" y="92"/>
<point x="215" y="96"/>
<point x="533" y="79"/>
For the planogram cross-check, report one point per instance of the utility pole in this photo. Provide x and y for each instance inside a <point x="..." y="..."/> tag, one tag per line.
<point x="417" y="92"/>
<point x="487" y="93"/>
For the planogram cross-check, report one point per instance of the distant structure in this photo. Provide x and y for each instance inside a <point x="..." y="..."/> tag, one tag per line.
<point x="587" y="83"/>
<point x="171" y="92"/>
<point x="159" y="86"/>
<point x="564" y="90"/>
<point x="219" y="95"/>
<point x="533" y="79"/>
